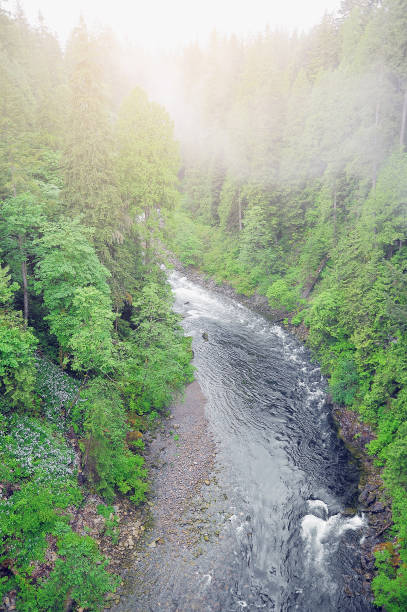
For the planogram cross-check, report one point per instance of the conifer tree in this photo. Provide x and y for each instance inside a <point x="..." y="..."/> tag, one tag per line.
<point x="90" y="188"/>
<point x="148" y="162"/>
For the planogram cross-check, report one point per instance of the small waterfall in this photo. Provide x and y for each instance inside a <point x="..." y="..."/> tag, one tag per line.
<point x="322" y="533"/>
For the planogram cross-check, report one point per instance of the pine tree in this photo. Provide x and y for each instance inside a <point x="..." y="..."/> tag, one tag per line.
<point x="90" y="186"/>
<point x="148" y="162"/>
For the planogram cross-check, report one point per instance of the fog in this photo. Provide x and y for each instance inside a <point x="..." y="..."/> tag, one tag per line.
<point x="157" y="24"/>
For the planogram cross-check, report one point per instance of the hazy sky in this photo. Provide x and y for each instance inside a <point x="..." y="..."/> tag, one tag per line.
<point x="171" y="23"/>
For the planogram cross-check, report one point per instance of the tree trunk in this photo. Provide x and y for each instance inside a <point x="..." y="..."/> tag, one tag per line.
<point x="116" y="321"/>
<point x="67" y="411"/>
<point x="312" y="281"/>
<point x="68" y="602"/>
<point x="403" y="122"/>
<point x="376" y="126"/>
<point x="25" y="284"/>
<point x="147" y="241"/>
<point x="13" y="181"/>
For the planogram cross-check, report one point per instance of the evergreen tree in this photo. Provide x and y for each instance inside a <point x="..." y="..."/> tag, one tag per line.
<point x="90" y="185"/>
<point x="148" y="163"/>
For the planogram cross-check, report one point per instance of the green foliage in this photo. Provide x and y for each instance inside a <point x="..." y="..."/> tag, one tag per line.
<point x="389" y="586"/>
<point x="185" y="240"/>
<point x="156" y="360"/>
<point x="107" y="460"/>
<point x="298" y="318"/>
<point x="283" y="295"/>
<point x="79" y="575"/>
<point x="17" y="344"/>
<point x="323" y="319"/>
<point x="78" y="193"/>
<point x="31" y="513"/>
<point x="148" y="162"/>
<point x="111" y="522"/>
<point x="73" y="285"/>
<point x="7" y="289"/>
<point x="90" y="187"/>
<point x="91" y="342"/>
<point x="344" y="380"/>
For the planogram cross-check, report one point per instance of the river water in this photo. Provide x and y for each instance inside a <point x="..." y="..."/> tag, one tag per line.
<point x="284" y="478"/>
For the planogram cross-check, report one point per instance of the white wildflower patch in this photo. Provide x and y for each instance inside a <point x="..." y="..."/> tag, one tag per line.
<point x="57" y="390"/>
<point x="40" y="450"/>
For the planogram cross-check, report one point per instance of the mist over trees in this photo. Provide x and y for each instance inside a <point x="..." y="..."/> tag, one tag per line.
<point x="289" y="179"/>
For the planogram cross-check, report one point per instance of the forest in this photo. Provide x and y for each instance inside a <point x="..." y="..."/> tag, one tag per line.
<point x="89" y="346"/>
<point x="284" y="175"/>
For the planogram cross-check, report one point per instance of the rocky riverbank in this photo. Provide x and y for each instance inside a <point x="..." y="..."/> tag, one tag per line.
<point x="373" y="500"/>
<point x="180" y="456"/>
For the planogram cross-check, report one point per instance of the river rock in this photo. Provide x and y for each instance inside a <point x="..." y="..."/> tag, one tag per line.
<point x="371" y="498"/>
<point x="363" y="496"/>
<point x="367" y="562"/>
<point x="377" y="507"/>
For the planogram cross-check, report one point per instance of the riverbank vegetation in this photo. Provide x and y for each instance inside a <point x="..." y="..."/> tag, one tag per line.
<point x="295" y="187"/>
<point x="90" y="350"/>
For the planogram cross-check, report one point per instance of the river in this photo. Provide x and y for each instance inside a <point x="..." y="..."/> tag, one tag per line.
<point x="286" y="539"/>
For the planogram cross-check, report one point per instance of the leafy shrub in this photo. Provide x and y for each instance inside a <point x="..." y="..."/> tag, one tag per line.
<point x="72" y="282"/>
<point x="32" y="512"/>
<point x="157" y="360"/>
<point x="17" y="364"/>
<point x="111" y="522"/>
<point x="344" y="381"/>
<point x="107" y="460"/>
<point x="281" y="294"/>
<point x="390" y="585"/>
<point x="79" y="575"/>
<point x="298" y="318"/>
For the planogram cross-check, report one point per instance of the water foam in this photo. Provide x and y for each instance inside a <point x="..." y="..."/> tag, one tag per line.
<point x="321" y="534"/>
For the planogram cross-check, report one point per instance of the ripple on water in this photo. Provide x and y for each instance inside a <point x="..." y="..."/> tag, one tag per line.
<point x="277" y="448"/>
